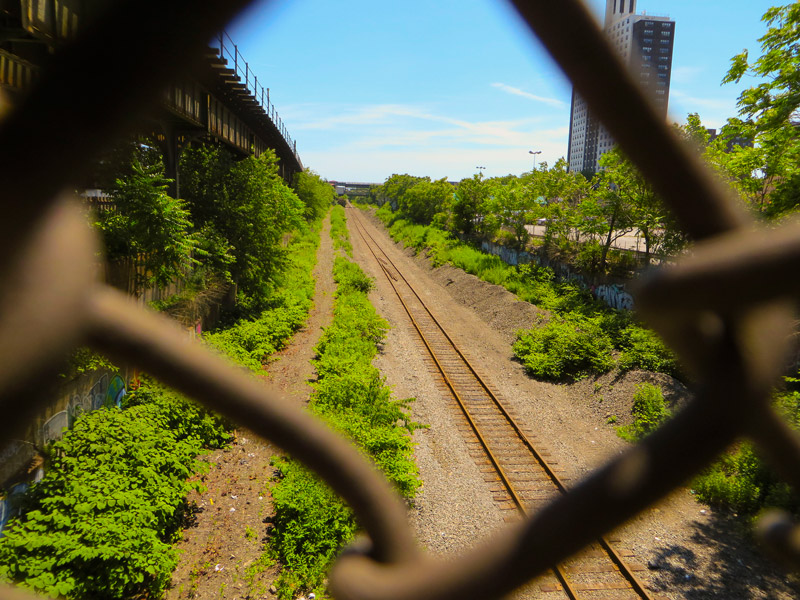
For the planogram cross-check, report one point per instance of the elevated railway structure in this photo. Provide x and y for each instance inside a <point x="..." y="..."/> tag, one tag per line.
<point x="221" y="98"/>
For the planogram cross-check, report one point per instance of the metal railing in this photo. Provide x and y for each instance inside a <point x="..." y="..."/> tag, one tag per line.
<point x="726" y="308"/>
<point x="230" y="53"/>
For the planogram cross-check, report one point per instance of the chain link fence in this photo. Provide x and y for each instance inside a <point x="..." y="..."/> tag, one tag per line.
<point x="727" y="308"/>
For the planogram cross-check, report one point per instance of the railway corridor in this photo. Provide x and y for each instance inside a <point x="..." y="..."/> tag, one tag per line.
<point x="520" y="473"/>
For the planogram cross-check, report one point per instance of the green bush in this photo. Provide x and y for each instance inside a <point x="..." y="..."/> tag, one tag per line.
<point x="649" y="412"/>
<point x="350" y="277"/>
<point x="101" y="522"/>
<point x="736" y="482"/>
<point x="566" y="348"/>
<point x="339" y="230"/>
<point x="643" y="349"/>
<point x="741" y="481"/>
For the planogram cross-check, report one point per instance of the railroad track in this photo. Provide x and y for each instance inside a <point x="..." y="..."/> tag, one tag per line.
<point x="522" y="478"/>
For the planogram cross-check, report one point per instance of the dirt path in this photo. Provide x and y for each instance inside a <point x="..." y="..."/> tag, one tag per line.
<point x="221" y="554"/>
<point x="692" y="553"/>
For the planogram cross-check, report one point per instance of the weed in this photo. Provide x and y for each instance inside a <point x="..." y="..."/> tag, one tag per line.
<point x="250" y="534"/>
<point x="649" y="412"/>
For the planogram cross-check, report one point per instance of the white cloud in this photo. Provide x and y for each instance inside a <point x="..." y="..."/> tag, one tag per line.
<point x="713" y="111"/>
<point x="370" y="142"/>
<point x="359" y="161"/>
<point x="518" y="92"/>
<point x="685" y="74"/>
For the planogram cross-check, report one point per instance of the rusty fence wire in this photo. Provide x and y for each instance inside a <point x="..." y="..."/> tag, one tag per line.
<point x="727" y="308"/>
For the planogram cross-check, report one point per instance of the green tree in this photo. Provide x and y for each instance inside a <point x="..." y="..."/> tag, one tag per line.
<point x="316" y="194"/>
<point x="516" y="202"/>
<point x="396" y="186"/>
<point x="472" y="213"/>
<point x="559" y="193"/>
<point x="769" y="114"/>
<point x="147" y="228"/>
<point x="247" y="206"/>
<point x="424" y="199"/>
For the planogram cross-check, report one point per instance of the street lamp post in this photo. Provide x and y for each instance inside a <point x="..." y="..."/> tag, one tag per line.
<point x="534" y="157"/>
<point x="480" y="170"/>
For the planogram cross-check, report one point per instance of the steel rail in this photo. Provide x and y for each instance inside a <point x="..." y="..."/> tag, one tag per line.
<point x="559" y="573"/>
<point x="636" y="585"/>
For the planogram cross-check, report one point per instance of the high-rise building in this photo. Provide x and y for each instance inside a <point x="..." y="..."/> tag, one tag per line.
<point x="645" y="43"/>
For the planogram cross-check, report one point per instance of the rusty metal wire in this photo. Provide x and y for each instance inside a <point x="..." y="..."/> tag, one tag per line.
<point x="726" y="308"/>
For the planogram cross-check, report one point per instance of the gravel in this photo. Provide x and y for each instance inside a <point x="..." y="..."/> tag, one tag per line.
<point x="692" y="552"/>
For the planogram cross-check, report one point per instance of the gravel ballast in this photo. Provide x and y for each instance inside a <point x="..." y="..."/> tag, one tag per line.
<point x="691" y="551"/>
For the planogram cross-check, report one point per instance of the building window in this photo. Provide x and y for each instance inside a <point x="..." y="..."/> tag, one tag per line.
<point x="666" y="33"/>
<point x="664" y="41"/>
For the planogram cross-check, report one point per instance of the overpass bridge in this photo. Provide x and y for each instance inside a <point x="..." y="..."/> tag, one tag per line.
<point x="353" y="188"/>
<point x="222" y="99"/>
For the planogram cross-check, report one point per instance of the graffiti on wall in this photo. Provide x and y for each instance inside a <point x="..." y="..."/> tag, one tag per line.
<point x="102" y="393"/>
<point x="10" y="504"/>
<point x="106" y="391"/>
<point x="507" y="255"/>
<point x="614" y="295"/>
<point x="53" y="428"/>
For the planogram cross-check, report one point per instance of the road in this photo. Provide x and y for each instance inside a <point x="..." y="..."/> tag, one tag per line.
<point x="629" y="241"/>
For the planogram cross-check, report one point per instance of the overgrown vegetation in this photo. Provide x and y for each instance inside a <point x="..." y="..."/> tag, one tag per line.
<point x="311" y="523"/>
<point x="583" y="335"/>
<point x="251" y="341"/>
<point x="565" y="348"/>
<point x="228" y="227"/>
<point x="101" y="522"/>
<point x="649" y="411"/>
<point x="741" y="481"/>
<point x="341" y="240"/>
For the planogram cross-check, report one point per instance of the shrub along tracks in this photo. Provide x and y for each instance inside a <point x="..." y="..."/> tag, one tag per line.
<point x="522" y="478"/>
<point x="691" y="552"/>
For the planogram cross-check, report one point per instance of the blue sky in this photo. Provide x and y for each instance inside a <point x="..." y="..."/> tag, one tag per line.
<point x="440" y="87"/>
